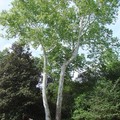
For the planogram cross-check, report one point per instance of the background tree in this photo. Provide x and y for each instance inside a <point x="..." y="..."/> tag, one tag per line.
<point x="100" y="104"/>
<point x="18" y="78"/>
<point x="102" y="101"/>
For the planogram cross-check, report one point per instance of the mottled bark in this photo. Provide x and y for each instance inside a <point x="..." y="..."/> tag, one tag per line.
<point x="44" y="95"/>
<point x="63" y="69"/>
<point x="60" y="91"/>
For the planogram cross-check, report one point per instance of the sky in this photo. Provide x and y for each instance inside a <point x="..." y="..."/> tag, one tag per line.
<point x="5" y="5"/>
<point x="4" y="43"/>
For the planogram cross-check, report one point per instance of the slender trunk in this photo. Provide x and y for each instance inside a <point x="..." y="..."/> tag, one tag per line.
<point x="60" y="91"/>
<point x="44" y="96"/>
<point x="61" y="82"/>
<point x="62" y="74"/>
<point x="82" y="29"/>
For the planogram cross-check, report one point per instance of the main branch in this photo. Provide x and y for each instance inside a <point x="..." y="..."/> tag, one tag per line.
<point x="62" y="74"/>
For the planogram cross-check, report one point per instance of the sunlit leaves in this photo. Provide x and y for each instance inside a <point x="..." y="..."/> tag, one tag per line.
<point x="102" y="103"/>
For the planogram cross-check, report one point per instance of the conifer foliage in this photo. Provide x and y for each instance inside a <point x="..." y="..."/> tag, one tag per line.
<point x="18" y="77"/>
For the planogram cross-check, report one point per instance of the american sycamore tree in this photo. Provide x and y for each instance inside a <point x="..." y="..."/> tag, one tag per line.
<point x="61" y="28"/>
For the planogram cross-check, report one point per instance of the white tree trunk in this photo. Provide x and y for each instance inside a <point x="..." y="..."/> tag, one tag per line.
<point x="44" y="95"/>
<point x="60" y="91"/>
<point x="61" y="82"/>
<point x="63" y="69"/>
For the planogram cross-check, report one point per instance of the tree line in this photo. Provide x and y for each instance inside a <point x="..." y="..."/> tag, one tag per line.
<point x="97" y="97"/>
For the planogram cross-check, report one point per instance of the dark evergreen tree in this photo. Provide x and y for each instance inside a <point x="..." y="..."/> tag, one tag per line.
<point x="18" y="79"/>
